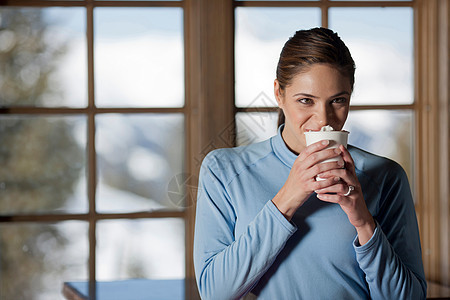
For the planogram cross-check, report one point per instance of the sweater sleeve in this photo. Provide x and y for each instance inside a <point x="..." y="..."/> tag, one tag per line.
<point x="227" y="267"/>
<point x="392" y="258"/>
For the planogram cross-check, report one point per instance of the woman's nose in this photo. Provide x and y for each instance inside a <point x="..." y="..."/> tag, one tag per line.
<point x="324" y="115"/>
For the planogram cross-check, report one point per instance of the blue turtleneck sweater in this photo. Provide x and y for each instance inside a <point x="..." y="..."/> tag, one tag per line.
<point x="244" y="246"/>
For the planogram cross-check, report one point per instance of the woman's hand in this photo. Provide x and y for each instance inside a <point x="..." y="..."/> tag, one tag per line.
<point x="353" y="204"/>
<point x="301" y="182"/>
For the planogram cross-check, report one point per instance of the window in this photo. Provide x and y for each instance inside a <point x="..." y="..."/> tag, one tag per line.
<point x="381" y="42"/>
<point x="392" y="89"/>
<point x="93" y="132"/>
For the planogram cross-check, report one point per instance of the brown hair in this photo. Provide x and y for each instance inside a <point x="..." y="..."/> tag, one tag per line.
<point x="308" y="47"/>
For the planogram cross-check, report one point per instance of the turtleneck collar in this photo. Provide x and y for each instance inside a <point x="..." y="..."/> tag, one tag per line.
<point x="281" y="150"/>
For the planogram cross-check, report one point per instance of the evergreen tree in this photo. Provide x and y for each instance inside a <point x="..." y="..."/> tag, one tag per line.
<point x="40" y="162"/>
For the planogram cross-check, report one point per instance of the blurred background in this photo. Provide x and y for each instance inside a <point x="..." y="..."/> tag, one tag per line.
<point x="102" y="131"/>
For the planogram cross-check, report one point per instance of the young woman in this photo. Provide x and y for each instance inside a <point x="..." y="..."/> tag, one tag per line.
<point x="266" y="227"/>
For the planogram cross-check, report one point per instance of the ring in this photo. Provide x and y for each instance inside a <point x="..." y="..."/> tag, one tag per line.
<point x="350" y="189"/>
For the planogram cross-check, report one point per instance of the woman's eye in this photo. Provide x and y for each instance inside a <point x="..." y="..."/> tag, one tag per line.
<point x="340" y="100"/>
<point x="305" y="101"/>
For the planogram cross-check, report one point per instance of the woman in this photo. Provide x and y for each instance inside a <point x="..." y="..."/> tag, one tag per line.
<point x="266" y="227"/>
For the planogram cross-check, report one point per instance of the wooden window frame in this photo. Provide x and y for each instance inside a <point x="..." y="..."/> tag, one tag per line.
<point x="91" y="111"/>
<point x="430" y="108"/>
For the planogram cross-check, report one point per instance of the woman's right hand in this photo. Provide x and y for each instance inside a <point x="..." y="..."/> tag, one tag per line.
<point x="301" y="182"/>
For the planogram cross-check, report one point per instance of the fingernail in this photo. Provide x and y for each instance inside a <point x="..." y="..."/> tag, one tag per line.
<point x="325" y="142"/>
<point x="340" y="163"/>
<point x="337" y="151"/>
<point x="336" y="178"/>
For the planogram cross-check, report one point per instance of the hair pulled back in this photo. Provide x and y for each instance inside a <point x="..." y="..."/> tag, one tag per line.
<point x="312" y="46"/>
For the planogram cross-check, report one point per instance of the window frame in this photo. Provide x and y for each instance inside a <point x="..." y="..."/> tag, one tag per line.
<point x="90" y="112"/>
<point x="430" y="111"/>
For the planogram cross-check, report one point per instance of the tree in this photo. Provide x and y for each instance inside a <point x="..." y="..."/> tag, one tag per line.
<point x="39" y="157"/>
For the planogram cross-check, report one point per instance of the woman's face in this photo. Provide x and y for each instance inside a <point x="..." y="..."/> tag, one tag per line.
<point x="315" y="98"/>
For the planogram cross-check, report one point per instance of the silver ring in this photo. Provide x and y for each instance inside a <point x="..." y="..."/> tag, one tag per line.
<point x="350" y="189"/>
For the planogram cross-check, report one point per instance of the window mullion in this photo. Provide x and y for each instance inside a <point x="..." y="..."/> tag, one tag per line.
<point x="209" y="31"/>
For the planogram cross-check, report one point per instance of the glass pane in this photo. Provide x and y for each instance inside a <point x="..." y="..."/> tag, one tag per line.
<point x="152" y="249"/>
<point x="38" y="258"/>
<point x="255" y="127"/>
<point x="139" y="59"/>
<point x="138" y="157"/>
<point x="43" y="164"/>
<point x="260" y="36"/>
<point x="381" y="42"/>
<point x="43" y="57"/>
<point x="387" y="133"/>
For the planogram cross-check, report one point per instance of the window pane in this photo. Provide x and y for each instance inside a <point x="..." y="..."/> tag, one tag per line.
<point x="260" y="36"/>
<point x="255" y="127"/>
<point x="139" y="58"/>
<point x="152" y="249"/>
<point x="43" y="164"/>
<point x="139" y="155"/>
<point x="43" y="57"/>
<point x="381" y="42"/>
<point x="386" y="133"/>
<point x="38" y="258"/>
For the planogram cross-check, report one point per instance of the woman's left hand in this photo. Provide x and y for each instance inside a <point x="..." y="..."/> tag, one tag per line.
<point x="353" y="204"/>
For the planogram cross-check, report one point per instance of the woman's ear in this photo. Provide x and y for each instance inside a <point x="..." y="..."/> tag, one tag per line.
<point x="277" y="93"/>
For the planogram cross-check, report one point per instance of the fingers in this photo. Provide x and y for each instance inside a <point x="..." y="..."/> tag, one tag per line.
<point x="340" y="193"/>
<point x="323" y="168"/>
<point x="324" y="184"/>
<point x="320" y="156"/>
<point x="348" y="174"/>
<point x="341" y="172"/>
<point x="340" y="189"/>
<point x="313" y="160"/>
<point x="313" y="148"/>
<point x="332" y="198"/>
